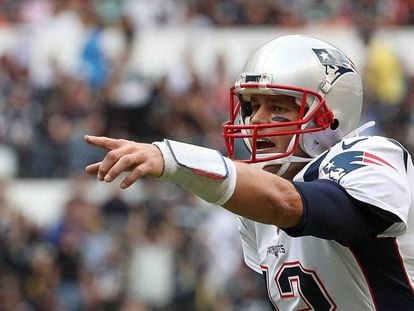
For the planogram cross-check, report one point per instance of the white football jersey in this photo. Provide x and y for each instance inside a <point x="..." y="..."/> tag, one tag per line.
<point x="309" y="273"/>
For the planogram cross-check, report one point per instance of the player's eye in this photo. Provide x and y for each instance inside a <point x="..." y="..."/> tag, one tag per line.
<point x="279" y="109"/>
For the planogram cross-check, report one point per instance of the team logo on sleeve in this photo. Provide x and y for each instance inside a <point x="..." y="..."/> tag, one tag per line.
<point x="346" y="162"/>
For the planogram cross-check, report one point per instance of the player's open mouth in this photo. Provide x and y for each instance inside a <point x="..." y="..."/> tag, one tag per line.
<point x="264" y="145"/>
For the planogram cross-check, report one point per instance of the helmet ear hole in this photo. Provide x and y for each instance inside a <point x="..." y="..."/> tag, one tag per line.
<point x="334" y="125"/>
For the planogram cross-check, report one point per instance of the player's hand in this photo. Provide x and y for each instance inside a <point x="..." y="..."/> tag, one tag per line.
<point x="125" y="156"/>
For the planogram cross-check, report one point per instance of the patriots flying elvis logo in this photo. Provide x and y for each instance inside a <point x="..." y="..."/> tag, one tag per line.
<point x="346" y="162"/>
<point x="335" y="63"/>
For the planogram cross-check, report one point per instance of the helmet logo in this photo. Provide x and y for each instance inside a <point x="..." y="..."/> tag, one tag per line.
<point x="335" y="63"/>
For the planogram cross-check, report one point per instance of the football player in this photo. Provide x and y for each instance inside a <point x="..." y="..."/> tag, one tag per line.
<point x="325" y="214"/>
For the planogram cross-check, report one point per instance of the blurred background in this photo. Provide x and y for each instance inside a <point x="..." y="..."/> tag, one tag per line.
<point x="144" y="70"/>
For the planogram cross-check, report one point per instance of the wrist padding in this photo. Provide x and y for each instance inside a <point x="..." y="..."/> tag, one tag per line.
<point x="202" y="171"/>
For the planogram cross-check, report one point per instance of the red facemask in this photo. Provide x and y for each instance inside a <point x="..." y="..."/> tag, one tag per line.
<point x="239" y="130"/>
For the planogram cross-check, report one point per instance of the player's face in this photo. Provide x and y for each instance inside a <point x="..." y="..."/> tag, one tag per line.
<point x="275" y="109"/>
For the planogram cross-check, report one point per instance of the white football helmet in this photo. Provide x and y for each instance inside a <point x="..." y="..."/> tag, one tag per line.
<point x="324" y="82"/>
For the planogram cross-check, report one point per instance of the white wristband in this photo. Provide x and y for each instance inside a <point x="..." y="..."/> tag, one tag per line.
<point x="200" y="170"/>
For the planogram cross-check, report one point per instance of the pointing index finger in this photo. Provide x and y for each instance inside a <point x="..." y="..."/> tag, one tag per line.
<point x="102" y="141"/>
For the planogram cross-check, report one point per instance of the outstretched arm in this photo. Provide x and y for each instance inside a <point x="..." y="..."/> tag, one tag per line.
<point x="256" y="194"/>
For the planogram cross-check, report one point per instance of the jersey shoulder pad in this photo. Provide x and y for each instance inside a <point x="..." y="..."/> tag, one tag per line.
<point x="372" y="170"/>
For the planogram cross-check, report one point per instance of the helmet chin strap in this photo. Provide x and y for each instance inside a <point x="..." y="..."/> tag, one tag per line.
<point x="283" y="162"/>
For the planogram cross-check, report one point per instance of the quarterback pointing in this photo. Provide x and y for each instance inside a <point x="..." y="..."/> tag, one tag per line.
<point x="325" y="214"/>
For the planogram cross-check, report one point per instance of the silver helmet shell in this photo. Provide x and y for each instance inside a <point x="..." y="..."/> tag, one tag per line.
<point x="321" y="78"/>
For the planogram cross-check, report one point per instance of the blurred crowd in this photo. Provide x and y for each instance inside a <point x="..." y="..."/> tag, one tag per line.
<point x="159" y="13"/>
<point x="166" y="252"/>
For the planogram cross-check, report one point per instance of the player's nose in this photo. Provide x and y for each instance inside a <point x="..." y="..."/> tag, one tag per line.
<point x="261" y="115"/>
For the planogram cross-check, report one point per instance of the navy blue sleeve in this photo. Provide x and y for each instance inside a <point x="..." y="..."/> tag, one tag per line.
<point x="331" y="213"/>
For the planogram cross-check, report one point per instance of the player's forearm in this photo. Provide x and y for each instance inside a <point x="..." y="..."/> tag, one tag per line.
<point x="265" y="197"/>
